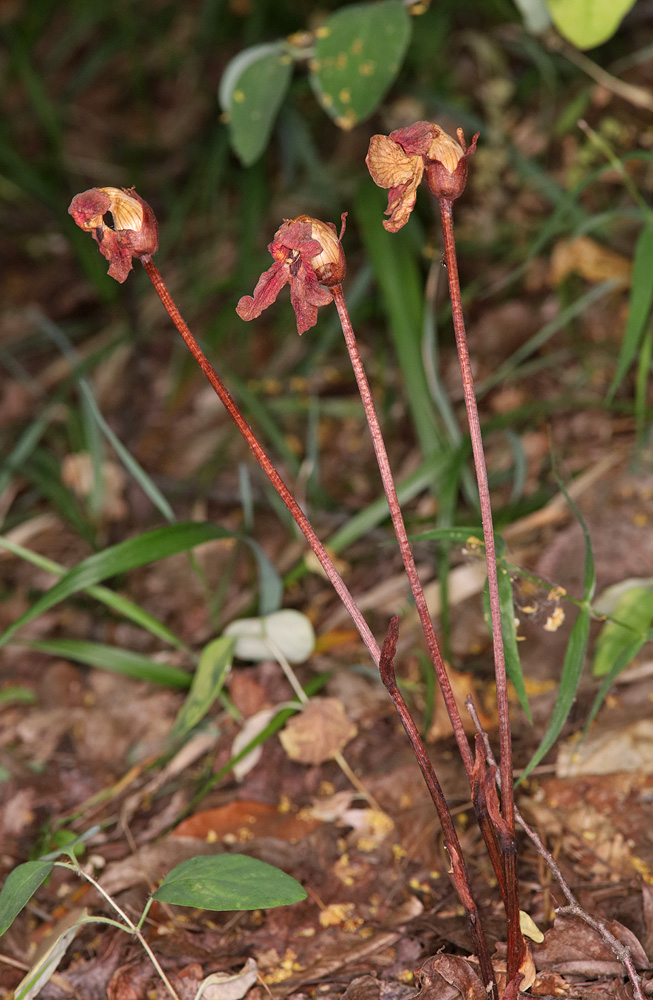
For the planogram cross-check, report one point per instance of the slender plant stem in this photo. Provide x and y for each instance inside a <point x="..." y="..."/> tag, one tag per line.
<point x="268" y="468"/>
<point x="621" y="950"/>
<point x="459" y="873"/>
<point x="515" y="940"/>
<point x="484" y="821"/>
<point x="400" y="530"/>
<point x="130" y="926"/>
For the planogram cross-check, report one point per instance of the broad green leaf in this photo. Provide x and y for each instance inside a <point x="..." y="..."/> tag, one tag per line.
<point x="208" y="681"/>
<point x="20" y="885"/>
<point x="587" y="23"/>
<point x="120" y="661"/>
<point x="228" y="882"/>
<point x="358" y="53"/>
<point x="287" y="631"/>
<point x="146" y="548"/>
<point x="634" y="616"/>
<point x="641" y="299"/>
<point x="251" y="91"/>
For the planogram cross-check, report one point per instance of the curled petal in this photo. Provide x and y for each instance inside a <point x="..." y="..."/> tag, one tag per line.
<point x="267" y="288"/>
<point x="401" y="201"/>
<point x="388" y="164"/>
<point x="306" y="294"/>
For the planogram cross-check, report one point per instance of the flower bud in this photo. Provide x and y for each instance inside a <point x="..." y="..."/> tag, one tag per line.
<point x="447" y="165"/>
<point x="329" y="266"/>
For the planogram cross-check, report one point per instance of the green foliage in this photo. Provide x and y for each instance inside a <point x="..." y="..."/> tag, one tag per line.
<point x="20" y="885"/>
<point x="228" y="882"/>
<point x="358" y="54"/>
<point x="587" y="23"/>
<point x="208" y="681"/>
<point x="622" y="638"/>
<point x="575" y="652"/>
<point x="639" y="312"/>
<point x="139" y="551"/>
<point x="353" y="59"/>
<point x="251" y="91"/>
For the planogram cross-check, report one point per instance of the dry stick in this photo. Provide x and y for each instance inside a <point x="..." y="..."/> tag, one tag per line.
<point x="459" y="874"/>
<point x="400" y="531"/>
<point x="621" y="950"/>
<point x="515" y="942"/>
<point x="415" y="585"/>
<point x="263" y="460"/>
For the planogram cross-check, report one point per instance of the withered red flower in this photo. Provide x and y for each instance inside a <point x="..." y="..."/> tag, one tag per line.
<point x="307" y="255"/>
<point x="398" y="161"/>
<point x="134" y="232"/>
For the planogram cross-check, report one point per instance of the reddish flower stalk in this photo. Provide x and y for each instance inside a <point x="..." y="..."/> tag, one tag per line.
<point x="135" y="235"/>
<point x="400" y="530"/>
<point x="458" y="873"/>
<point x="398" y="162"/>
<point x="299" y="246"/>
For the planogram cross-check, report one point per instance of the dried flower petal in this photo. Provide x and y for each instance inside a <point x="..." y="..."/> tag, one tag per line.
<point x="134" y="232"/>
<point x="398" y="162"/>
<point x="307" y="255"/>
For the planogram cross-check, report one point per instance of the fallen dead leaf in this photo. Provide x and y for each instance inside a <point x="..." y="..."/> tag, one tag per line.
<point x="319" y="732"/>
<point x="590" y="260"/>
<point x="241" y="821"/>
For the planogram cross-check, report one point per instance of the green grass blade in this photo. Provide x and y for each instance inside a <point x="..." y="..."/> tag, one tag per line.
<point x="509" y="368"/>
<point x="208" y="681"/>
<point x="626" y="656"/>
<point x="571" y="671"/>
<point x="377" y="512"/>
<point x="576" y="649"/>
<point x="509" y="635"/>
<point x="94" y="415"/>
<point x="146" y="548"/>
<point x="24" y="447"/>
<point x="397" y="274"/>
<point x="641" y="299"/>
<point x="119" y="661"/>
<point x="116" y="602"/>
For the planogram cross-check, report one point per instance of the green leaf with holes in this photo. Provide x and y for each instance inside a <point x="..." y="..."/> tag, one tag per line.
<point x="587" y="23"/>
<point x="358" y="53"/>
<point x="251" y="91"/>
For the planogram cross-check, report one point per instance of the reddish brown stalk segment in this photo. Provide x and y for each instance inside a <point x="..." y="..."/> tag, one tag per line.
<point x="505" y="740"/>
<point x="263" y="460"/>
<point x="458" y="872"/>
<point x="400" y="530"/>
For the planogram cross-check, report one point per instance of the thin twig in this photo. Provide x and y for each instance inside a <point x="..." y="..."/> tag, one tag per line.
<point x="620" y="950"/>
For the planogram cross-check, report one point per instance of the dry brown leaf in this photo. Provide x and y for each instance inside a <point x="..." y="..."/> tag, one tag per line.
<point x="319" y="732"/>
<point x="589" y="259"/>
<point x="445" y="977"/>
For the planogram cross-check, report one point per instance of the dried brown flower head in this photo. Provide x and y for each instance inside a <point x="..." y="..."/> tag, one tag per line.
<point x="134" y="232"/>
<point x="307" y="255"/>
<point x="398" y="161"/>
